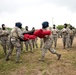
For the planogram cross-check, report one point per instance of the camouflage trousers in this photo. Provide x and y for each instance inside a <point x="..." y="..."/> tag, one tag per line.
<point x="48" y="46"/>
<point x="14" y="43"/>
<point x="28" y="44"/>
<point x="66" y="40"/>
<point x="4" y="43"/>
<point x="71" y="40"/>
<point x="54" y="37"/>
<point x="34" y="43"/>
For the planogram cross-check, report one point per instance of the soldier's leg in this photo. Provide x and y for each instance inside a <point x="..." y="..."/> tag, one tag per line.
<point x="26" y="44"/>
<point x="18" y="52"/>
<point x="71" y="41"/>
<point x="17" y="45"/>
<point x="55" y="42"/>
<point x="3" y="43"/>
<point x="33" y="43"/>
<point x="9" y="52"/>
<point x="68" y="42"/>
<point x="30" y="45"/>
<point x="43" y="54"/>
<point x="64" y="42"/>
<point x="21" y="46"/>
<point x="53" y="51"/>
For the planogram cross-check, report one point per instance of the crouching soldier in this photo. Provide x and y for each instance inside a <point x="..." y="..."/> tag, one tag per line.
<point x="15" y="36"/>
<point x="47" y="43"/>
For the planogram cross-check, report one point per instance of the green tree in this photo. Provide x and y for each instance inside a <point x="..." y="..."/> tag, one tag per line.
<point x="9" y="28"/>
<point x="60" y="27"/>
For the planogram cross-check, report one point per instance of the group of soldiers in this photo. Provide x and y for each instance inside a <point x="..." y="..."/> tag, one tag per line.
<point x="15" y="39"/>
<point x="67" y="35"/>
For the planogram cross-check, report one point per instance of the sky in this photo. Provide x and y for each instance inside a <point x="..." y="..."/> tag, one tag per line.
<point x="33" y="12"/>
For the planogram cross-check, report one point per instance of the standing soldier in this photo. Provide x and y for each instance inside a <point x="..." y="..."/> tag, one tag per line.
<point x="48" y="43"/>
<point x="4" y="37"/>
<point x="54" y="35"/>
<point x="28" y="42"/>
<point x="71" y="33"/>
<point x="65" y="35"/>
<point x="34" y="41"/>
<point x="15" y="36"/>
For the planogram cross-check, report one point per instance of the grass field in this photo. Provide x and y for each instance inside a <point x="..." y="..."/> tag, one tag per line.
<point x="31" y="66"/>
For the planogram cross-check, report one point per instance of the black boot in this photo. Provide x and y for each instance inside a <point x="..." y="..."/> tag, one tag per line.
<point x="59" y="56"/>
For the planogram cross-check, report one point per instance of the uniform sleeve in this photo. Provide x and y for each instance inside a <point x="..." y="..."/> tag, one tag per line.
<point x="20" y="33"/>
<point x="7" y="32"/>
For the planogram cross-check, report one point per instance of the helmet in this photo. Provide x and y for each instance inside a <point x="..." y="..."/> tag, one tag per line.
<point x="45" y="24"/>
<point x="18" y="24"/>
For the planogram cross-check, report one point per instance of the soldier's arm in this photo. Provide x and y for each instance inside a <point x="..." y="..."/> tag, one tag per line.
<point x="20" y="33"/>
<point x="7" y="32"/>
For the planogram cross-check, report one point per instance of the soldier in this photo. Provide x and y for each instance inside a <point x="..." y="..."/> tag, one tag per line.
<point x="65" y="35"/>
<point x="15" y="36"/>
<point x="4" y="38"/>
<point x="28" y="42"/>
<point x="34" y="41"/>
<point x="48" y="43"/>
<point x="71" y="33"/>
<point x="54" y="35"/>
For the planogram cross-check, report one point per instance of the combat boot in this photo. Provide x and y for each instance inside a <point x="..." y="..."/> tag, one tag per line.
<point x="59" y="56"/>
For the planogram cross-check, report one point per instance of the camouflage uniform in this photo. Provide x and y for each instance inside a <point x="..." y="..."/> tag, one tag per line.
<point x="28" y="43"/>
<point x="48" y="44"/>
<point x="71" y="33"/>
<point x="15" y="36"/>
<point x="34" y="43"/>
<point x="54" y="36"/>
<point x="4" y="39"/>
<point x="66" y="37"/>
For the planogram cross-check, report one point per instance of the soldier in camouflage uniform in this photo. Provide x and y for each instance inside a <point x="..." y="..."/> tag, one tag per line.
<point x="15" y="36"/>
<point x="71" y="33"/>
<point x="48" y="43"/>
<point x="4" y="38"/>
<point x="54" y="35"/>
<point x="65" y="35"/>
<point x="34" y="41"/>
<point x="28" y="43"/>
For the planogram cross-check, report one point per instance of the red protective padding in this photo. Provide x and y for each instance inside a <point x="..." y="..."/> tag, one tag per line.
<point x="32" y="36"/>
<point x="46" y="32"/>
<point x="41" y="33"/>
<point x="38" y="33"/>
<point x="27" y="36"/>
